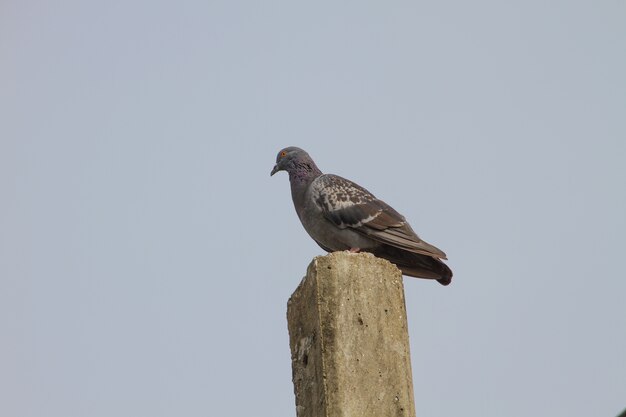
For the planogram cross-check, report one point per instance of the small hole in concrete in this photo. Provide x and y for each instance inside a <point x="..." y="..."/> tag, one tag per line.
<point x="360" y="320"/>
<point x="305" y="359"/>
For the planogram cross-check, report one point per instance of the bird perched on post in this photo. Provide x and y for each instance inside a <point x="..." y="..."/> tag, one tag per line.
<point x="341" y="215"/>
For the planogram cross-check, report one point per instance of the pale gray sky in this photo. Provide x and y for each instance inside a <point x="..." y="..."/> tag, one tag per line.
<point x="146" y="256"/>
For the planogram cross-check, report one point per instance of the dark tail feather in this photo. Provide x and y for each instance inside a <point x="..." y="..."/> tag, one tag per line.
<point x="447" y="276"/>
<point x="416" y="265"/>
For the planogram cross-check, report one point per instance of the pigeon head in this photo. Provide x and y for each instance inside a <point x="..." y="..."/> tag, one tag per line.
<point x="293" y="159"/>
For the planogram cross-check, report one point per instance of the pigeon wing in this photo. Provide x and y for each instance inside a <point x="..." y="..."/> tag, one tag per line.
<point x="348" y="205"/>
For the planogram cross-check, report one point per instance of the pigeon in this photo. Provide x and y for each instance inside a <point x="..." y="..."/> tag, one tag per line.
<point x="340" y="215"/>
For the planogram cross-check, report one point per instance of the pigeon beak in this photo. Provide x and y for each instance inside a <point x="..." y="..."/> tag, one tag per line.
<point x="274" y="170"/>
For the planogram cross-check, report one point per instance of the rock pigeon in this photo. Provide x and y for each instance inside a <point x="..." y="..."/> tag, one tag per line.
<point x="341" y="215"/>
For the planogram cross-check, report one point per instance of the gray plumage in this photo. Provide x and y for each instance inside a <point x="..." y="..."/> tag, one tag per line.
<point x="341" y="215"/>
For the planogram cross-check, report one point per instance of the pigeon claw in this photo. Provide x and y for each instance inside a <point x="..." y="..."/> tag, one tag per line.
<point x="354" y="250"/>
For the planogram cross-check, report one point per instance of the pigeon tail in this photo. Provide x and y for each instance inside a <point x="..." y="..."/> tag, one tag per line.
<point x="415" y="264"/>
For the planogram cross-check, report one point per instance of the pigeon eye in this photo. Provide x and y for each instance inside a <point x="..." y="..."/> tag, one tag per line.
<point x="283" y="154"/>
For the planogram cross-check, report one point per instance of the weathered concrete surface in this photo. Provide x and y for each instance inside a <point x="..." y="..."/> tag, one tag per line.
<point x="349" y="340"/>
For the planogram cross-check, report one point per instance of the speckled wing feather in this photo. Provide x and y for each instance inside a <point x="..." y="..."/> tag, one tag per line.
<point x="349" y="205"/>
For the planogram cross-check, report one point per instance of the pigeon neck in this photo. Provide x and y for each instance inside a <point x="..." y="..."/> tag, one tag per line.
<point x="304" y="172"/>
<point x="300" y="177"/>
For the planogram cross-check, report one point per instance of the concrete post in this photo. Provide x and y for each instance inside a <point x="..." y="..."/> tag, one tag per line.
<point x="349" y="339"/>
